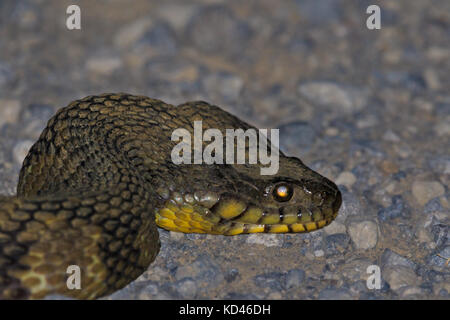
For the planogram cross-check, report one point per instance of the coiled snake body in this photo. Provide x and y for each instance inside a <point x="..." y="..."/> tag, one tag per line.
<point x="99" y="180"/>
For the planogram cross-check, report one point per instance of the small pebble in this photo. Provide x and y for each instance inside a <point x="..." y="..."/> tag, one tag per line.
<point x="319" y="253"/>
<point x="9" y="111"/>
<point x="294" y="278"/>
<point x="334" y="96"/>
<point x="272" y="280"/>
<point x="391" y="258"/>
<point x="424" y="191"/>
<point x="400" y="276"/>
<point x="346" y="178"/>
<point x="268" y="240"/>
<point x="103" y="65"/>
<point x="364" y="234"/>
<point x="187" y="288"/>
<point x="177" y="236"/>
<point x="335" y="294"/>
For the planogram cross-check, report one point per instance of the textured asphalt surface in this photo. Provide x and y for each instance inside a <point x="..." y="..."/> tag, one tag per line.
<point x="369" y="109"/>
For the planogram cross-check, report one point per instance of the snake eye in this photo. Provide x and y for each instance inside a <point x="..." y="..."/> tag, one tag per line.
<point x="282" y="192"/>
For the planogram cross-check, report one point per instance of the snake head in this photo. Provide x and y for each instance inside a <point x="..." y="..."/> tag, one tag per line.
<point x="237" y="199"/>
<point x="296" y="199"/>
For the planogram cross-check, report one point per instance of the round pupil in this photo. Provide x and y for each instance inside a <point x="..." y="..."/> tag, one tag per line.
<point x="282" y="192"/>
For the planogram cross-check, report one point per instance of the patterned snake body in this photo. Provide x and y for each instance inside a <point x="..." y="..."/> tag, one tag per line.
<point x="99" y="180"/>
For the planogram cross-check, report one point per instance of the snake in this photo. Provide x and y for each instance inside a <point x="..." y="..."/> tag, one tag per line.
<point x="100" y="180"/>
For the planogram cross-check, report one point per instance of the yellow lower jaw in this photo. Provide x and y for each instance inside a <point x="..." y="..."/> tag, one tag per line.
<point x="188" y="221"/>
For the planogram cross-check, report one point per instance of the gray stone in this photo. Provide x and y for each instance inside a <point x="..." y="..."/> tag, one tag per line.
<point x="294" y="278"/>
<point x="232" y="275"/>
<point x="159" y="39"/>
<point x="334" y="96"/>
<point x="346" y="178"/>
<point x="319" y="253"/>
<point x="351" y="205"/>
<point x="433" y="205"/>
<point x="410" y="292"/>
<point x="268" y="240"/>
<point x="440" y="258"/>
<point x="177" y="14"/>
<point x="103" y="64"/>
<point x="400" y="276"/>
<point x="335" y="294"/>
<point x="241" y="296"/>
<point x="272" y="280"/>
<point x="440" y="234"/>
<point x="391" y="258"/>
<point x="226" y="86"/>
<point x="336" y="244"/>
<point x="9" y="111"/>
<point x="398" y="208"/>
<point x="177" y="236"/>
<point x="319" y="12"/>
<point x="411" y="81"/>
<point x="187" y="288"/>
<point x="364" y="234"/>
<point x="424" y="191"/>
<point x="130" y="33"/>
<point x="6" y="74"/>
<point x="203" y="269"/>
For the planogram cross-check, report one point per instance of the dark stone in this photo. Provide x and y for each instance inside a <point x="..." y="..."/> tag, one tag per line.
<point x="434" y="205"/>
<point x="240" y="296"/>
<point x="272" y="280"/>
<point x="294" y="278"/>
<point x="231" y="275"/>
<point x="6" y="74"/>
<point x="391" y="258"/>
<point x="439" y="258"/>
<point x="160" y="38"/>
<point x="320" y="12"/>
<point x="398" y="208"/>
<point x="336" y="244"/>
<point x="335" y="294"/>
<point x="410" y="81"/>
<point x="440" y="234"/>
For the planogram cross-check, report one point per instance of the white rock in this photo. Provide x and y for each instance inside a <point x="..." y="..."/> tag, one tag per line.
<point x="269" y="240"/>
<point x="9" y="111"/>
<point x="364" y="234"/>
<point x="103" y="65"/>
<point x="345" y="99"/>
<point x="346" y="178"/>
<point x="319" y="253"/>
<point x="399" y="277"/>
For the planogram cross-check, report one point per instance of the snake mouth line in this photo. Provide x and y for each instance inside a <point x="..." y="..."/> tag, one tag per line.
<point x="220" y="220"/>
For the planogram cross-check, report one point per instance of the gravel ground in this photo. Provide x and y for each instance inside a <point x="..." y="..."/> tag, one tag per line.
<point x="369" y="109"/>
